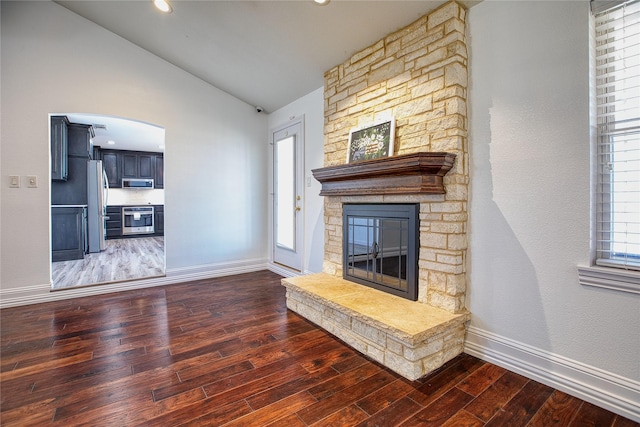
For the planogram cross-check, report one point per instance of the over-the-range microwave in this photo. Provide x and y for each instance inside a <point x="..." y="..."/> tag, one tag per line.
<point x="139" y="183"/>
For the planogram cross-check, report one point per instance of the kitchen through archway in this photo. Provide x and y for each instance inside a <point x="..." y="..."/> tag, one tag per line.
<point x="107" y="200"/>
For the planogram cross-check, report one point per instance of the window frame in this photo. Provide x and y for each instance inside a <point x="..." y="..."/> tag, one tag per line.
<point x="603" y="273"/>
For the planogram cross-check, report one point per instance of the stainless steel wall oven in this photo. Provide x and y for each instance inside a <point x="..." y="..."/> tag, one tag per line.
<point x="137" y="220"/>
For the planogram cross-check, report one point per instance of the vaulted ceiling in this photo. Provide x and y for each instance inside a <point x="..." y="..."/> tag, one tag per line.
<point x="266" y="53"/>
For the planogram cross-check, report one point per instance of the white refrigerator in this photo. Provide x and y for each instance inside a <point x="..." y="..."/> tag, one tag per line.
<point x="97" y="197"/>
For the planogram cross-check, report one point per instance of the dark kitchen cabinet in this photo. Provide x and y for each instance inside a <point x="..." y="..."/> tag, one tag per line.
<point x="137" y="165"/>
<point x="68" y="233"/>
<point x="159" y="171"/>
<point x="133" y="164"/>
<point x="146" y="165"/>
<point x="114" y="223"/>
<point x="111" y="166"/>
<point x="59" y="148"/>
<point x="129" y="165"/>
<point x="79" y="140"/>
<point x="158" y="220"/>
<point x="73" y="191"/>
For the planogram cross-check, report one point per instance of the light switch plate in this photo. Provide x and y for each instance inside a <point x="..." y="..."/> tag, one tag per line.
<point x="32" y="181"/>
<point x="14" y="181"/>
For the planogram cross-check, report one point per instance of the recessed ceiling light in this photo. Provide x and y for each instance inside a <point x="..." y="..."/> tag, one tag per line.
<point x="163" y="5"/>
<point x="110" y="142"/>
<point x="322" y="2"/>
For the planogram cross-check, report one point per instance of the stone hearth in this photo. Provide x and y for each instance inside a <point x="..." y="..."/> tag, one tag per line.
<point x="409" y="338"/>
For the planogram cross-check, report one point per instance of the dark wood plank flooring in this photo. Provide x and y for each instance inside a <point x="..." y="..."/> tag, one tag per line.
<point x="226" y="351"/>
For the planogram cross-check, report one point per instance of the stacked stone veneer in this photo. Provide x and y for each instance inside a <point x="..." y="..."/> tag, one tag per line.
<point x="418" y="75"/>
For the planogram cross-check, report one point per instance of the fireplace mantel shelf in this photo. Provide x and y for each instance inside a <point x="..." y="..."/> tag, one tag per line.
<point x="417" y="173"/>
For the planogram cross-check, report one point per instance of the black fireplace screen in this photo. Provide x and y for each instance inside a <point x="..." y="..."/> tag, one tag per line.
<point x="381" y="245"/>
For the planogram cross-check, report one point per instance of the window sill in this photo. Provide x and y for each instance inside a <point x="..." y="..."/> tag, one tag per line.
<point x="610" y="278"/>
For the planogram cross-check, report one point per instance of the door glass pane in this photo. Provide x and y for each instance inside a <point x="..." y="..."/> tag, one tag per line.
<point x="285" y="193"/>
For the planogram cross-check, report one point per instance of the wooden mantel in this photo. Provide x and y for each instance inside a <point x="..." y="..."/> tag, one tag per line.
<point x="417" y="173"/>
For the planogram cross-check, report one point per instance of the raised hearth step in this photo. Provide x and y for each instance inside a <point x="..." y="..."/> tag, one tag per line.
<point x="409" y="337"/>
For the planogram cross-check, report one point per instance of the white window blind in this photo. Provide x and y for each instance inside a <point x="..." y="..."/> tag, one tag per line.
<point x="618" y="136"/>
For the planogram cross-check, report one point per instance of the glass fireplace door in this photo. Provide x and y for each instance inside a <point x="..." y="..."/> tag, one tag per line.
<point x="380" y="247"/>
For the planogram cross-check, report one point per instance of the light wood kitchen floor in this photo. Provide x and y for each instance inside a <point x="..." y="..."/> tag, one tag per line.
<point x="122" y="259"/>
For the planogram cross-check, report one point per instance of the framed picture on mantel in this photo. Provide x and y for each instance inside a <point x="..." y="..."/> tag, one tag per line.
<point x="372" y="142"/>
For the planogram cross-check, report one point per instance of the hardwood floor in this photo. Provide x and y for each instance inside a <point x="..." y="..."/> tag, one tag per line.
<point x="122" y="259"/>
<point x="226" y="351"/>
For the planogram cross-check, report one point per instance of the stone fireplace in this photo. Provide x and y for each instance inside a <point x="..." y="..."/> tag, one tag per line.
<point x="418" y="76"/>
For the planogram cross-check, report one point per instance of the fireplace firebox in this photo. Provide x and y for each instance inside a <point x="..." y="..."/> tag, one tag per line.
<point x="381" y="246"/>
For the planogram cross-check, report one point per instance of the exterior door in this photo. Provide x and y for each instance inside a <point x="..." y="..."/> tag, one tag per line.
<point x="288" y="172"/>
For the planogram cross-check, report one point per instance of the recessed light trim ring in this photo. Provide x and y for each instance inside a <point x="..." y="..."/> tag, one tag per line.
<point x="163" y="6"/>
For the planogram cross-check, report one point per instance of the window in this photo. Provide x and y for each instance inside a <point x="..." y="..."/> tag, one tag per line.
<point x="616" y="243"/>
<point x="617" y="192"/>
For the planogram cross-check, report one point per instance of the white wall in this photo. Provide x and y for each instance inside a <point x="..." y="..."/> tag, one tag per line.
<point x="312" y="107"/>
<point x="529" y="153"/>
<point x="215" y="168"/>
<point x="529" y="138"/>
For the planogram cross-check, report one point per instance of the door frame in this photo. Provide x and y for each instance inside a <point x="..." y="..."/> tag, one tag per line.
<point x="283" y="268"/>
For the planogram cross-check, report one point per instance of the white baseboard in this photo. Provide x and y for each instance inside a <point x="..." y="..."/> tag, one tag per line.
<point x="607" y="390"/>
<point x="281" y="270"/>
<point x="25" y="295"/>
<point x="207" y="271"/>
<point x="43" y="293"/>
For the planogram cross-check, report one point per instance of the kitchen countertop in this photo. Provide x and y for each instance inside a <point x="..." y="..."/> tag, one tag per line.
<point x="68" y="206"/>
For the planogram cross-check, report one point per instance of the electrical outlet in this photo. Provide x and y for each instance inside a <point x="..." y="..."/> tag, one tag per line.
<point x="14" y="181"/>
<point x="32" y="181"/>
